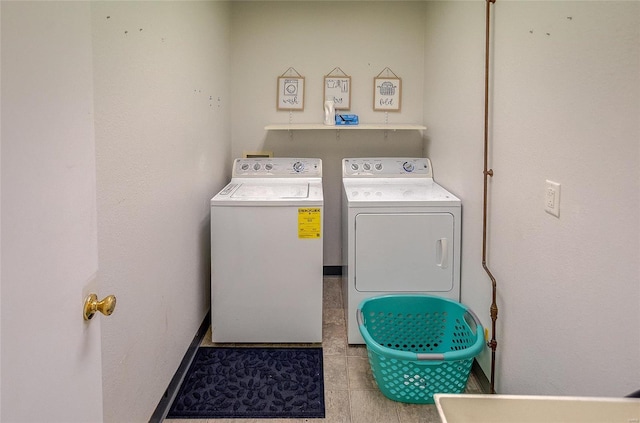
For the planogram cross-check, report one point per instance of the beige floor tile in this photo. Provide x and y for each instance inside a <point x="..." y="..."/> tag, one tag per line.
<point x="337" y="407"/>
<point x="333" y="344"/>
<point x="417" y="413"/>
<point x="334" y="317"/>
<point x="332" y="295"/>
<point x="370" y="406"/>
<point x="206" y="341"/>
<point x="335" y="373"/>
<point x="354" y="350"/>
<point x="473" y="387"/>
<point x="360" y="375"/>
<point x="334" y="332"/>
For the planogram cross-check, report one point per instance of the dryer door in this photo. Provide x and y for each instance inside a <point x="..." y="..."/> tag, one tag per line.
<point x="404" y="252"/>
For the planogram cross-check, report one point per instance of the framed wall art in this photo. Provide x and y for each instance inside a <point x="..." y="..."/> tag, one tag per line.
<point x="337" y="85"/>
<point x="387" y="92"/>
<point x="290" y="91"/>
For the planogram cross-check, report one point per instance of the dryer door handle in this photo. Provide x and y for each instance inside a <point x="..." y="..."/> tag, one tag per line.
<point x="442" y="253"/>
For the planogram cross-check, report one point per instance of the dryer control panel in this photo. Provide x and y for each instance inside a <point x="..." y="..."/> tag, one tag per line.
<point x="387" y="167"/>
<point x="280" y="167"/>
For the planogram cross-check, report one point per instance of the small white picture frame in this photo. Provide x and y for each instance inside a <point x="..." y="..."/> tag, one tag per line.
<point x="339" y="89"/>
<point x="387" y="94"/>
<point x="290" y="93"/>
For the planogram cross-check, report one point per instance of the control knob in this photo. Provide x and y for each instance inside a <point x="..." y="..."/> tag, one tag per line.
<point x="408" y="167"/>
<point x="298" y="167"/>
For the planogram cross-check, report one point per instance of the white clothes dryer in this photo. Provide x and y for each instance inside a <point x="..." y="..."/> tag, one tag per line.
<point x="266" y="253"/>
<point x="401" y="233"/>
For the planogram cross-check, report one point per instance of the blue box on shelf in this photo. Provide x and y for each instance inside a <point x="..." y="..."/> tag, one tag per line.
<point x="346" y="119"/>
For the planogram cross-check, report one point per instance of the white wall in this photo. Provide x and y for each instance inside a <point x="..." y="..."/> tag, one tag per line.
<point x="565" y="107"/>
<point x="162" y="77"/>
<point x="0" y="238"/>
<point x="453" y="112"/>
<point x="362" y="38"/>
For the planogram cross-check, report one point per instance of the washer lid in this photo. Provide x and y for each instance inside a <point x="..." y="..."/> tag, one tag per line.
<point x="397" y="192"/>
<point x="270" y="191"/>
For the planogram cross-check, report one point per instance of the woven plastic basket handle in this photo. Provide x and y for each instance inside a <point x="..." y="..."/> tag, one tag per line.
<point x="359" y="317"/>
<point x="474" y="324"/>
<point x="448" y="356"/>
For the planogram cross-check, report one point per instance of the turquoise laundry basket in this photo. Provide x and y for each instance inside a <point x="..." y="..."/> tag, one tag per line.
<point x="419" y="345"/>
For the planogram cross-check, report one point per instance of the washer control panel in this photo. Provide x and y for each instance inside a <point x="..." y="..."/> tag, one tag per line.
<point x="387" y="167"/>
<point x="276" y="167"/>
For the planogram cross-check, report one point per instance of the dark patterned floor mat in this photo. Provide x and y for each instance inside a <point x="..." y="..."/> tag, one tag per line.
<point x="252" y="383"/>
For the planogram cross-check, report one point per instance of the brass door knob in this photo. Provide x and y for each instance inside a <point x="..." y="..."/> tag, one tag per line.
<point x="92" y="305"/>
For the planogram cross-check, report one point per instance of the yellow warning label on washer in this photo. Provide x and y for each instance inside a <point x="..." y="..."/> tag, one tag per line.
<point x="309" y="221"/>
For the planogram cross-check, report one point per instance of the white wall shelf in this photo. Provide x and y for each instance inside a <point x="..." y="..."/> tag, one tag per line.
<point x="318" y="126"/>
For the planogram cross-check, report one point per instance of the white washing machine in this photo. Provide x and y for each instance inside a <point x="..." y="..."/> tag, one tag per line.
<point x="266" y="253"/>
<point x="401" y="233"/>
